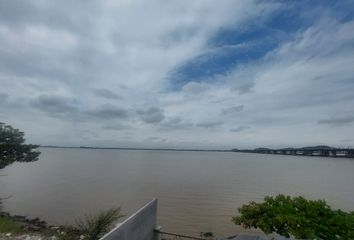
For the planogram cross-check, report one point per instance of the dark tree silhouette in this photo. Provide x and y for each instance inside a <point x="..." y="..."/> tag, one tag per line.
<point x="13" y="147"/>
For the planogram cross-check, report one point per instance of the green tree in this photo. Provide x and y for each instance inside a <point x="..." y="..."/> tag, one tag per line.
<point x="13" y="147"/>
<point x="297" y="217"/>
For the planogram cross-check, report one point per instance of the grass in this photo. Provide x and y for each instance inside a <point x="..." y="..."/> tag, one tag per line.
<point x="8" y="225"/>
<point x="92" y="226"/>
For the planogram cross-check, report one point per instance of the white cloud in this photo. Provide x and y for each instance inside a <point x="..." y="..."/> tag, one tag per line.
<point x="113" y="59"/>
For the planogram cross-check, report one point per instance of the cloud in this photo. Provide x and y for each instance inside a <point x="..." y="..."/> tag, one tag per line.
<point x="233" y="110"/>
<point x="151" y="115"/>
<point x="178" y="71"/>
<point x="67" y="108"/>
<point x="337" y="121"/>
<point x="108" y="112"/>
<point x="117" y="127"/>
<point x="10" y="104"/>
<point x="175" y="124"/>
<point x="239" y="129"/>
<point x="157" y="139"/>
<point x="209" y="124"/>
<point x="56" y="106"/>
<point x="105" y="93"/>
<point x="195" y="88"/>
<point x="3" y="97"/>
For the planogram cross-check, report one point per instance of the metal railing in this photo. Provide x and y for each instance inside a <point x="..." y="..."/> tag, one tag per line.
<point x="174" y="236"/>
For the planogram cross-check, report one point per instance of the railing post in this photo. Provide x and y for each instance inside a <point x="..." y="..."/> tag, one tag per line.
<point x="157" y="233"/>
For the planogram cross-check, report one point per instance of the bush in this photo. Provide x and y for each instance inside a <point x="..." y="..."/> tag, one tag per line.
<point x="297" y="217"/>
<point x="94" y="227"/>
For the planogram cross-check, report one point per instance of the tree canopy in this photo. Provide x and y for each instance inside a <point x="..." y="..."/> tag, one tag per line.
<point x="297" y="217"/>
<point x="13" y="147"/>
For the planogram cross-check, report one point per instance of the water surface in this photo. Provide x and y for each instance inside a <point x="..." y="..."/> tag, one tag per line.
<point x="197" y="191"/>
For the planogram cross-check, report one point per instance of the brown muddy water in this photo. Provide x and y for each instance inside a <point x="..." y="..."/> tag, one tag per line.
<point x="197" y="191"/>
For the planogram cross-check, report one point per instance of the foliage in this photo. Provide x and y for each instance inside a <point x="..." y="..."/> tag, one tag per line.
<point x="13" y="147"/>
<point x="297" y="217"/>
<point x="9" y="225"/>
<point x="94" y="227"/>
<point x="18" y="225"/>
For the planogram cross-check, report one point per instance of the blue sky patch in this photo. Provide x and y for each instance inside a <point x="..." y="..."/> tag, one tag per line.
<point x="229" y="47"/>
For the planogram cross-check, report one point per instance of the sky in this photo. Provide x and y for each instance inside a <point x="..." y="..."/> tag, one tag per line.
<point x="178" y="74"/>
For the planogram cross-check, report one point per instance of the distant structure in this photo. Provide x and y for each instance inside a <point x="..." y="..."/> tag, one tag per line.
<point x="320" y="151"/>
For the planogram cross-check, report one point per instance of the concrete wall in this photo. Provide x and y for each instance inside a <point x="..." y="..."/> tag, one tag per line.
<point x="139" y="226"/>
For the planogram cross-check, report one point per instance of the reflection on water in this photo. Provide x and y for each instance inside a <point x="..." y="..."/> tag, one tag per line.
<point x="197" y="191"/>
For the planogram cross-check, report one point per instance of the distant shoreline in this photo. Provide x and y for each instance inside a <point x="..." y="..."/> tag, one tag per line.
<point x="142" y="149"/>
<point x="318" y="151"/>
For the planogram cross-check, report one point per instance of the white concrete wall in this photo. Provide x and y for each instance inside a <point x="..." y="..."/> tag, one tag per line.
<point x="139" y="226"/>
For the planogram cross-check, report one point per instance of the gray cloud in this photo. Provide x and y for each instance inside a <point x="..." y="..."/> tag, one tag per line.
<point x="233" y="110"/>
<point x="158" y="139"/>
<point x="56" y="106"/>
<point x="105" y="93"/>
<point x="209" y="124"/>
<point x="66" y="108"/>
<point x="117" y="127"/>
<point x="337" y="121"/>
<point x="3" y="96"/>
<point x="243" y="88"/>
<point x="195" y="88"/>
<point x="176" y="123"/>
<point x="17" y="14"/>
<point x="109" y="112"/>
<point x="151" y="115"/>
<point x="239" y="129"/>
<point x="11" y="104"/>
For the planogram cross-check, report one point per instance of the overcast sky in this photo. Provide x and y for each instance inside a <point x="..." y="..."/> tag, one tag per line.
<point x="184" y="74"/>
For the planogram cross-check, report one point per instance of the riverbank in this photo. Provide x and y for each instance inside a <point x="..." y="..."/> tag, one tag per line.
<point x="14" y="227"/>
<point x="25" y="237"/>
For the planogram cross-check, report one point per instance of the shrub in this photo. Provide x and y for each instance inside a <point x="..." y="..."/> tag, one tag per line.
<point x="94" y="227"/>
<point x="297" y="217"/>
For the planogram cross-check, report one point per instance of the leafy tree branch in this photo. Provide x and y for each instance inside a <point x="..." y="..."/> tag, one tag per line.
<point x="297" y="217"/>
<point x="13" y="147"/>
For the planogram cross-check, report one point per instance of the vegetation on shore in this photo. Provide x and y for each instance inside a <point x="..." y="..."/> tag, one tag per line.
<point x="9" y="225"/>
<point x="297" y="217"/>
<point x="13" y="147"/>
<point x="91" y="227"/>
<point x="95" y="226"/>
<point x="18" y="225"/>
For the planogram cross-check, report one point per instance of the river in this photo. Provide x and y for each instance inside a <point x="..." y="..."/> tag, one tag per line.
<point x="197" y="191"/>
